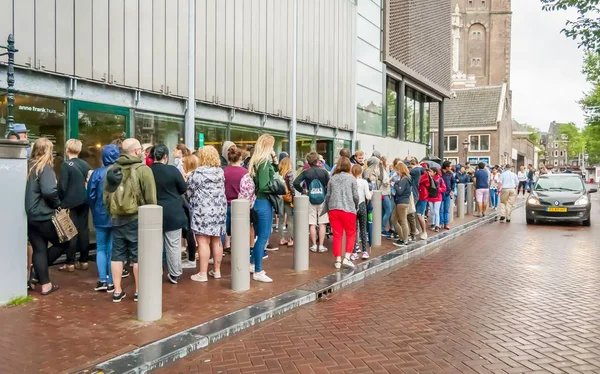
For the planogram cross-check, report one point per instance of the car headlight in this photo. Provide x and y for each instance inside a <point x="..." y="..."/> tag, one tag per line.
<point x="583" y="200"/>
<point x="533" y="201"/>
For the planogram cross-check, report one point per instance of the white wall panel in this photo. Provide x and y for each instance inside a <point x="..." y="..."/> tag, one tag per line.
<point x="300" y="38"/>
<point x="65" y="37"/>
<point x="247" y="55"/>
<point x="238" y="66"/>
<point x="201" y="50"/>
<point x="145" y="61"/>
<point x="220" y="39"/>
<point x="278" y="65"/>
<point x="131" y="64"/>
<point x="116" y="63"/>
<point x="100" y="40"/>
<point x="262" y="51"/>
<point x="230" y="53"/>
<point x="158" y="46"/>
<point x="289" y="56"/>
<point x="171" y="47"/>
<point x="211" y="50"/>
<point x="270" y="53"/>
<point x="255" y="52"/>
<point x="83" y="38"/>
<point x="24" y="32"/>
<point x="45" y="26"/>
<point x="6" y="26"/>
<point x="182" y="49"/>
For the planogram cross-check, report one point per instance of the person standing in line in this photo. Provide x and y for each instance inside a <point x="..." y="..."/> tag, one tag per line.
<point x="147" y="147"/>
<point x="262" y="167"/>
<point x="190" y="163"/>
<point x="170" y="186"/>
<point x="225" y="152"/>
<point x="285" y="171"/>
<point x="448" y="195"/>
<point x="415" y="178"/>
<point x="364" y="195"/>
<point x="179" y="152"/>
<point x="101" y="219"/>
<point x="208" y="210"/>
<point x="494" y="192"/>
<point x="72" y="190"/>
<point x="41" y="201"/>
<point x="508" y="191"/>
<point x="358" y="158"/>
<point x="522" y="176"/>
<point x="233" y="176"/>
<point x="482" y="188"/>
<point x="386" y="192"/>
<point x="342" y="203"/>
<point x="421" y="206"/>
<point x="436" y="190"/>
<point x="129" y="184"/>
<point x="313" y="183"/>
<point x="403" y="189"/>
<point x="344" y="152"/>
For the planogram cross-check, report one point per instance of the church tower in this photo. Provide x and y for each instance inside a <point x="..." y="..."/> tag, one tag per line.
<point x="481" y="36"/>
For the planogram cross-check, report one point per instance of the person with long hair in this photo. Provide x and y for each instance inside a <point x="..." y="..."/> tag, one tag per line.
<point x="41" y="201"/>
<point x="262" y="167"/>
<point x="403" y="188"/>
<point x="189" y="163"/>
<point x="169" y="188"/>
<point x="233" y="176"/>
<point x="179" y="152"/>
<point x="435" y="202"/>
<point x="342" y="202"/>
<point x="208" y="210"/>
<point x="285" y="171"/>
<point x="364" y="195"/>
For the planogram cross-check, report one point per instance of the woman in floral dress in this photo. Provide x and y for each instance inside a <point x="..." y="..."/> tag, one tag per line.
<point x="208" y="210"/>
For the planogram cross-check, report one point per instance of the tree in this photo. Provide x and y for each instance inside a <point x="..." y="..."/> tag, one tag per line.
<point x="575" y="137"/>
<point x="535" y="135"/>
<point x="586" y="28"/>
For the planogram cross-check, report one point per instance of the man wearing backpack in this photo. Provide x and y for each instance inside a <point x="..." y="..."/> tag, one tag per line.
<point x="129" y="184"/>
<point x="313" y="182"/>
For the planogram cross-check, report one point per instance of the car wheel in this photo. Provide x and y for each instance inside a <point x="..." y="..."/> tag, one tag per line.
<point x="530" y="221"/>
<point x="587" y="222"/>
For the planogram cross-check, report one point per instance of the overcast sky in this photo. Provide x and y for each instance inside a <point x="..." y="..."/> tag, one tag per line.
<point x="546" y="74"/>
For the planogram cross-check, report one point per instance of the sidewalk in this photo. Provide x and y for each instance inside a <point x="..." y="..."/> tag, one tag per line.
<point x="76" y="328"/>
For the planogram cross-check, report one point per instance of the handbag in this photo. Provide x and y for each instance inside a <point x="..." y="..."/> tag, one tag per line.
<point x="411" y="204"/>
<point x="277" y="185"/>
<point x="65" y="228"/>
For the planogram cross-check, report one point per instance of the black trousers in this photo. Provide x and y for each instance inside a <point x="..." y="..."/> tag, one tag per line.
<point x="80" y="216"/>
<point x="40" y="234"/>
<point x="522" y="186"/>
<point x="189" y="235"/>
<point x="361" y="226"/>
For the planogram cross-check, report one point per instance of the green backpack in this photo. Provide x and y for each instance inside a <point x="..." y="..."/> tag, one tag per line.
<point x="127" y="197"/>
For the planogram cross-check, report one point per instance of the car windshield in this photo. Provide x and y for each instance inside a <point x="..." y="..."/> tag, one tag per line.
<point x="560" y="184"/>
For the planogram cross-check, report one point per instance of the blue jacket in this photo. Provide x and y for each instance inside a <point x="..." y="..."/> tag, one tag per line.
<point x="110" y="154"/>
<point x="449" y="181"/>
<point x="403" y="190"/>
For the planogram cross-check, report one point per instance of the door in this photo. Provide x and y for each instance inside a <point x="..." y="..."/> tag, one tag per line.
<point x="97" y="125"/>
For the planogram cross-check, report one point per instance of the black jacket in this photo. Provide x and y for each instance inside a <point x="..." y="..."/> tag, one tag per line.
<point x="169" y="188"/>
<point x="41" y="195"/>
<point x="73" y="177"/>
<point x="310" y="174"/>
<point x="403" y="187"/>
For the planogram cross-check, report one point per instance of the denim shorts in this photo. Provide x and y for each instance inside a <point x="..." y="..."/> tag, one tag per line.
<point x="421" y="207"/>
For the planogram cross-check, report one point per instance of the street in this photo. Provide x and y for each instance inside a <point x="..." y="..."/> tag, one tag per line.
<point x="506" y="298"/>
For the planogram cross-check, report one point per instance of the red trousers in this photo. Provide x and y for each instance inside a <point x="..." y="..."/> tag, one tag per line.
<point x="342" y="221"/>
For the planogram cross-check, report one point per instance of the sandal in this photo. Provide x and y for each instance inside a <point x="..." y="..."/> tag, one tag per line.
<point x="82" y="265"/>
<point x="282" y="243"/>
<point x="54" y="288"/>
<point x="67" y="268"/>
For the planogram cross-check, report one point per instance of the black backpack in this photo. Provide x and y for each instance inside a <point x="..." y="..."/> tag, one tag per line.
<point x="433" y="188"/>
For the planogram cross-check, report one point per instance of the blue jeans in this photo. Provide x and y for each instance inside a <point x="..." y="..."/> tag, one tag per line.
<point x="104" y="253"/>
<point x="387" y="209"/>
<point x="264" y="212"/>
<point x="495" y="198"/>
<point x="434" y="213"/>
<point x="445" y="209"/>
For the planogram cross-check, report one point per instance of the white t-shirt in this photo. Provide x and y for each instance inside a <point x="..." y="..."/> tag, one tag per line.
<point x="363" y="190"/>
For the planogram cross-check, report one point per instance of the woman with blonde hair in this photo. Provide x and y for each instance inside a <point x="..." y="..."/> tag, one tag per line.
<point x="285" y="171"/>
<point x="403" y="188"/>
<point x="208" y="210"/>
<point x="189" y="163"/>
<point x="262" y="167"/>
<point x="41" y="201"/>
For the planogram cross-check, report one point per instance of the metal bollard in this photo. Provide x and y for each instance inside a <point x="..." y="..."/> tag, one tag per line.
<point x="150" y="241"/>
<point x="470" y="198"/>
<point x="301" y="258"/>
<point x="240" y="249"/>
<point x="460" y="198"/>
<point x="377" y="224"/>
<point x="451" y="209"/>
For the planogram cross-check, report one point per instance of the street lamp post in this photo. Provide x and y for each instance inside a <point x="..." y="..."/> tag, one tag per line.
<point x="466" y="144"/>
<point x="10" y="52"/>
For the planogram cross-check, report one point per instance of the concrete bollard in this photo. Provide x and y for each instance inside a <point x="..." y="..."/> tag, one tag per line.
<point x="451" y="209"/>
<point x="470" y="198"/>
<point x="240" y="249"/>
<point x="460" y="198"/>
<point x="150" y="261"/>
<point x="301" y="253"/>
<point x="377" y="212"/>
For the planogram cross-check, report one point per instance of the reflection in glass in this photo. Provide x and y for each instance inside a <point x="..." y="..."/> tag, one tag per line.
<point x="213" y="135"/>
<point x="325" y="149"/>
<point x="369" y="116"/>
<point x="484" y="143"/>
<point x="409" y="116"/>
<point x="244" y="139"/>
<point x="282" y="143"/>
<point x="417" y="120"/>
<point x="392" y="104"/>
<point x="303" y="147"/>
<point x="426" y="124"/>
<point x="97" y="129"/>
<point x="157" y="128"/>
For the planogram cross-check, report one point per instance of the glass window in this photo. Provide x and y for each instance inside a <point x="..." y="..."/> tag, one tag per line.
<point x="392" y="106"/>
<point x="369" y="77"/>
<point x="369" y="107"/>
<point x="282" y="142"/>
<point x="451" y="143"/>
<point x="244" y="138"/>
<point x="303" y="147"/>
<point x="417" y="120"/>
<point x="474" y="143"/>
<point x="409" y="116"/>
<point x="157" y="128"/>
<point x="97" y="129"/>
<point x="368" y="32"/>
<point x="211" y="134"/>
<point x="325" y="149"/>
<point x="43" y="117"/>
<point x="368" y="55"/>
<point x="479" y="143"/>
<point x="426" y="124"/>
<point x="370" y="11"/>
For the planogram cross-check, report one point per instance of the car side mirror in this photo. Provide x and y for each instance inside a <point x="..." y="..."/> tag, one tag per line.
<point x="593" y="190"/>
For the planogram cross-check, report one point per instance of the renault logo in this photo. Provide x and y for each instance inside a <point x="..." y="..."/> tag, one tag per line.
<point x="556" y="203"/>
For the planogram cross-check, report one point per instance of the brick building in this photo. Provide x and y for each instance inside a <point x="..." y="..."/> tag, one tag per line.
<point x="556" y="155"/>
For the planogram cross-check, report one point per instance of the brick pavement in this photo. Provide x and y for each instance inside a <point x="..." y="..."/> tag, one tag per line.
<point x="507" y="298"/>
<point x="75" y="327"/>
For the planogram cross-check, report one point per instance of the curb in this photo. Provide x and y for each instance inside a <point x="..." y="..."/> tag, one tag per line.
<point x="163" y="352"/>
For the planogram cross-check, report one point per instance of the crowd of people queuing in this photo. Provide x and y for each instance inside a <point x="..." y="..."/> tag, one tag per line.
<point x="195" y="190"/>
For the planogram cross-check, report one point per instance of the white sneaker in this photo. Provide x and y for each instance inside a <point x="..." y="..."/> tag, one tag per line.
<point x="365" y="255"/>
<point x="251" y="268"/>
<point x="354" y="257"/>
<point x="424" y="236"/>
<point x="347" y="263"/>
<point x="199" y="277"/>
<point x="214" y="274"/>
<point x="188" y="264"/>
<point x="338" y="265"/>
<point x="211" y="261"/>
<point x="262" y="277"/>
<point x="313" y="248"/>
<point x="322" y="249"/>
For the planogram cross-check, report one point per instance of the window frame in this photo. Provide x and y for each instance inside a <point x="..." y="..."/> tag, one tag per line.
<point x="453" y="160"/>
<point x="449" y="150"/>
<point x="479" y="143"/>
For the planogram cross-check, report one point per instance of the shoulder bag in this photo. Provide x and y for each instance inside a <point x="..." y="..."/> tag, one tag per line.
<point x="65" y="228"/>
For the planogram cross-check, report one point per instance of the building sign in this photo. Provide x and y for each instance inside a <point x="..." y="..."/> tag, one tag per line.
<point x="200" y="140"/>
<point x="476" y="160"/>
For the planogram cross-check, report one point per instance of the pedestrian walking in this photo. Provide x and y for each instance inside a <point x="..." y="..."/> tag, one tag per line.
<point x="170" y="186"/>
<point x="494" y="191"/>
<point x="129" y="185"/>
<point x="435" y="192"/>
<point x="313" y="182"/>
<point x="208" y="211"/>
<point x="286" y="237"/>
<point x="364" y="195"/>
<point x="341" y="202"/>
<point x="522" y="177"/>
<point x="482" y="188"/>
<point x="530" y="177"/>
<point x="262" y="168"/>
<point x="41" y="201"/>
<point x="102" y="221"/>
<point x="508" y="191"/>
<point x="448" y="195"/>
<point x="403" y="189"/>
<point x="72" y="190"/>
